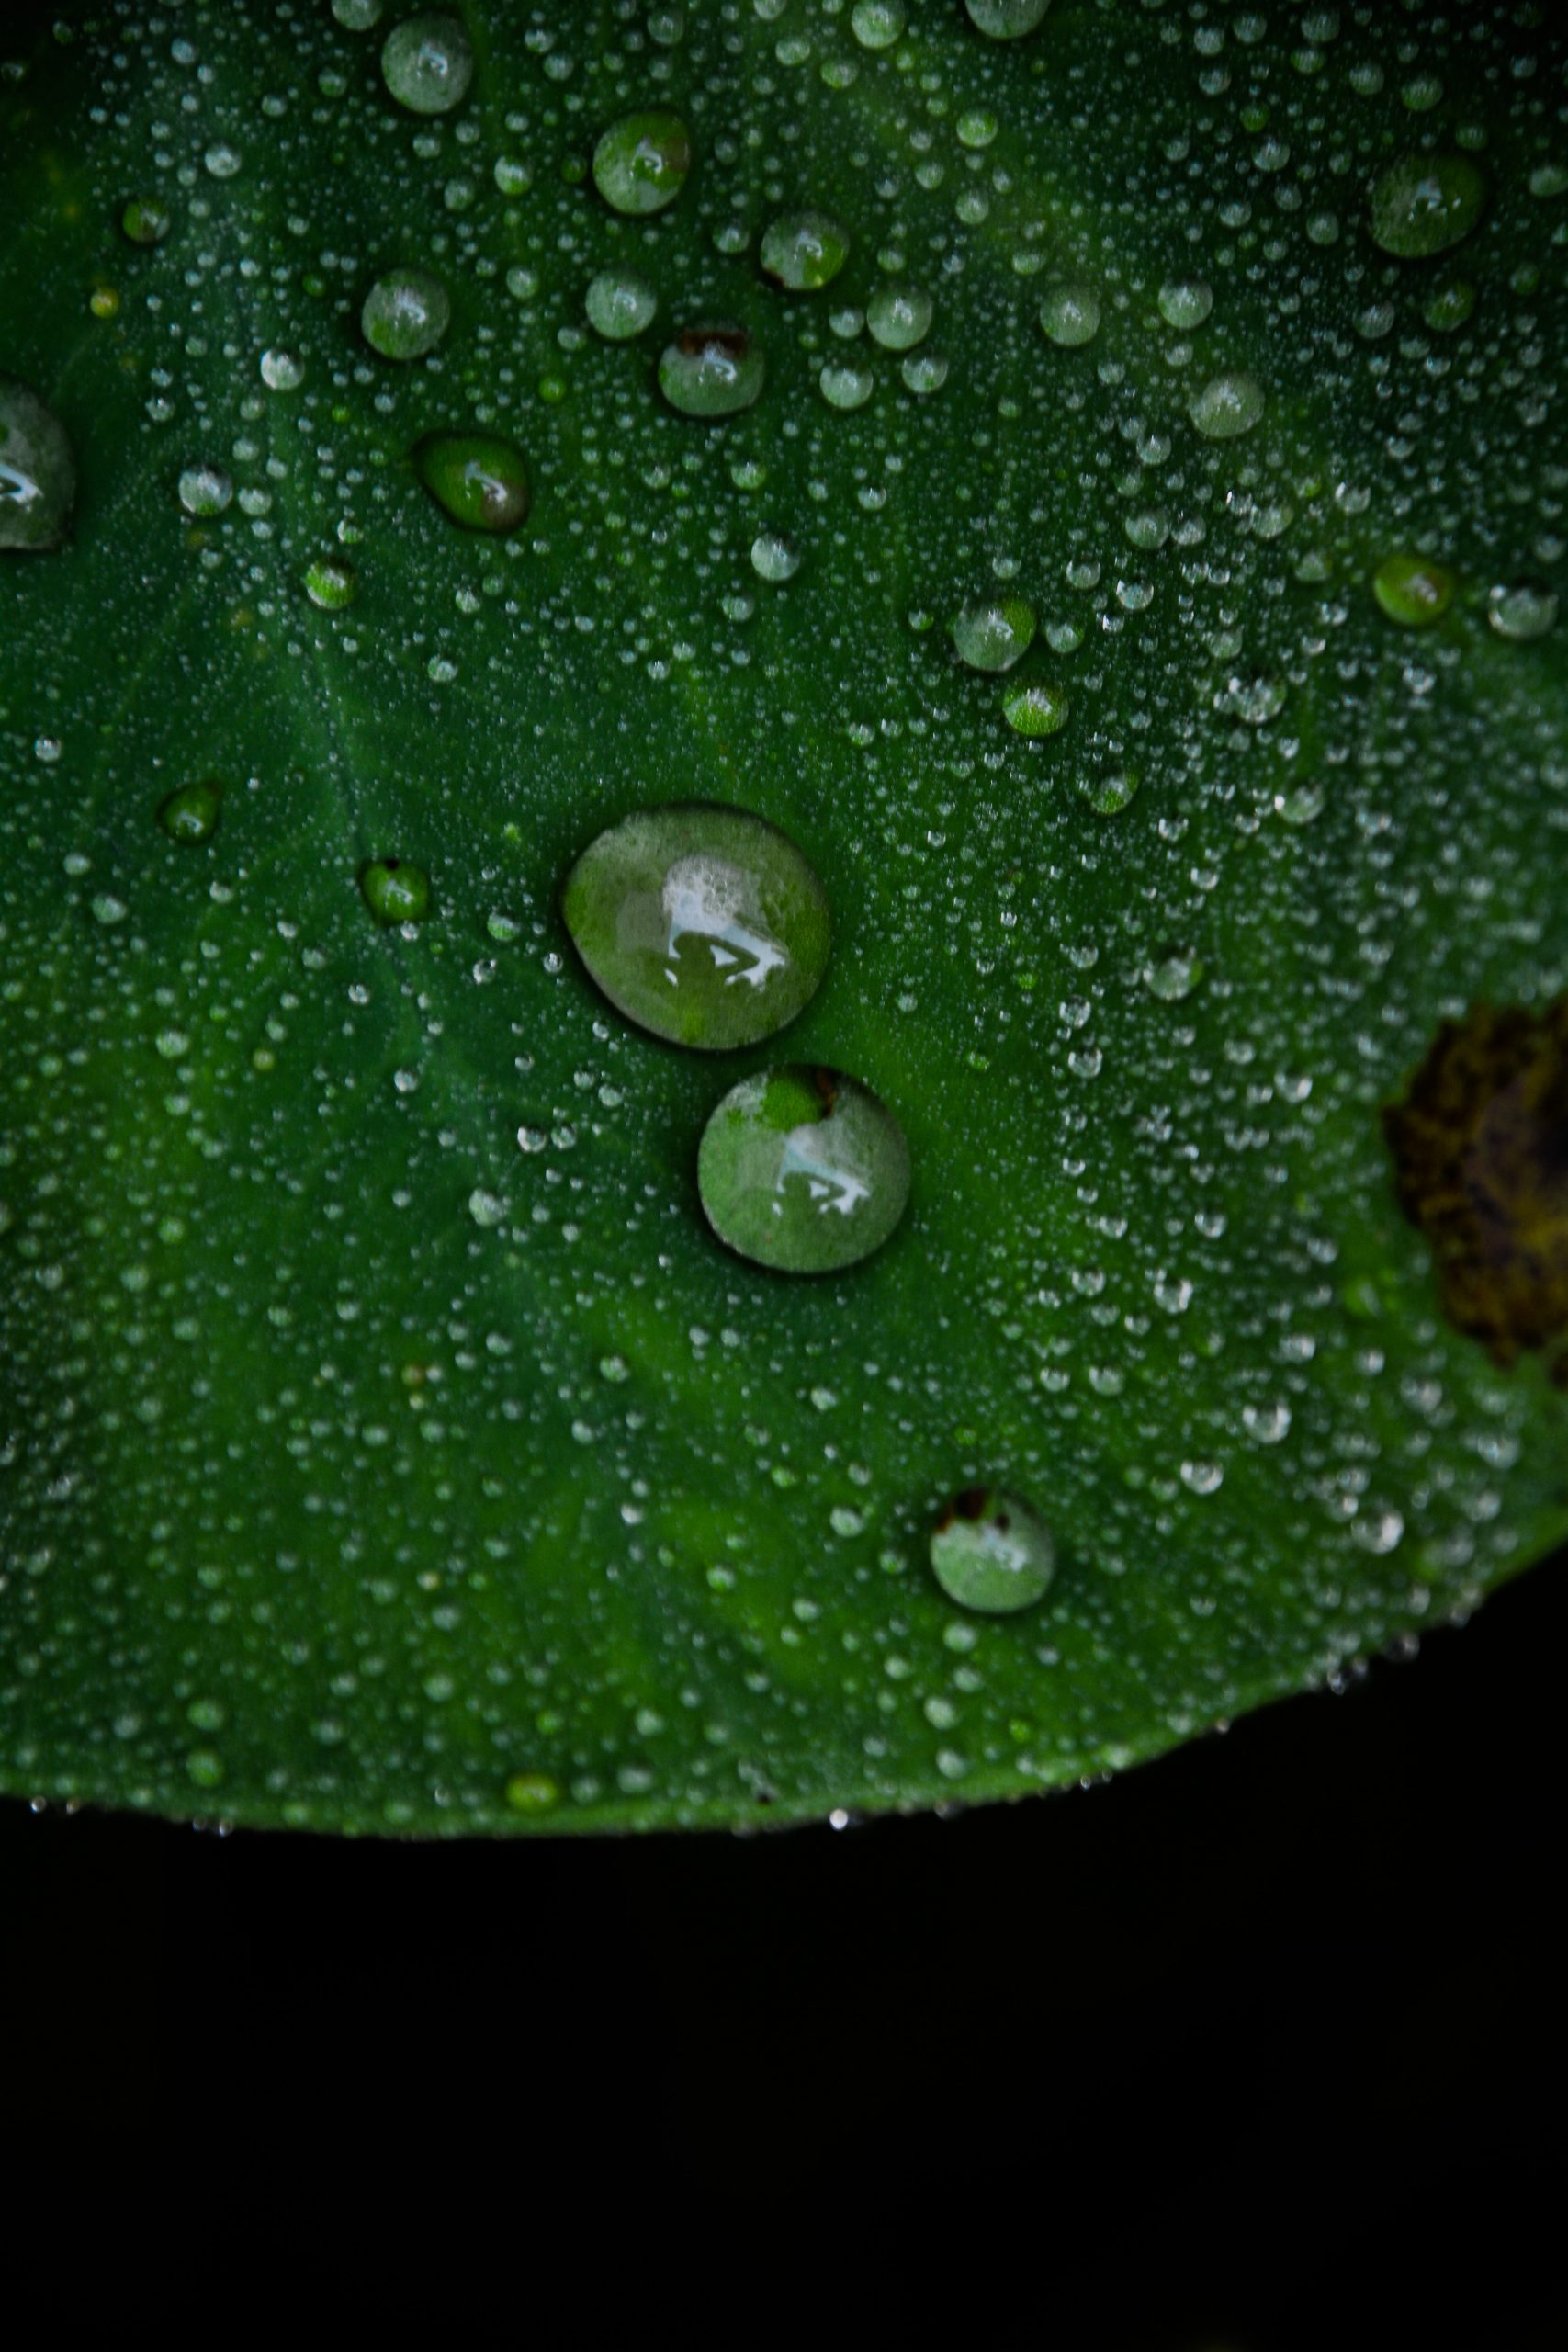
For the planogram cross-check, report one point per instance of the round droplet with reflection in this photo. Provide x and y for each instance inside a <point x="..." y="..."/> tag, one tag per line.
<point x="146" y="221"/>
<point x="803" y="251"/>
<point x="876" y="24"/>
<point x="1427" y="203"/>
<point x="899" y="316"/>
<point x="405" y="314"/>
<point x="478" y="478"/>
<point x="395" y="891"/>
<point x="804" y="1170"/>
<point x="773" y="557"/>
<point x="37" y="472"/>
<point x="205" y="490"/>
<point x="427" y="63"/>
<point x="358" y="15"/>
<point x="331" y="583"/>
<point x="992" y="1553"/>
<point x="1414" y="590"/>
<point x="993" y="636"/>
<point x="641" y="162"/>
<point x="1070" y="315"/>
<point x="190" y="814"/>
<point x="1186" y="302"/>
<point x="619" y="303"/>
<point x="1006" y="19"/>
<point x="1525" y="610"/>
<point x="1107" y="791"/>
<point x="846" y="383"/>
<point x="1449" y="305"/>
<point x="1227" y="405"/>
<point x="711" y="371"/>
<point x="701" y="922"/>
<point x="1039" y="709"/>
<point x="1174" y="973"/>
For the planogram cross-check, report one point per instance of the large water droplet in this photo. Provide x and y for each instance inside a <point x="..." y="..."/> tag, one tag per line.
<point x="1006" y="19"/>
<point x="1186" y="301"/>
<point x="804" y="1170"/>
<point x="1527" y="609"/>
<point x="993" y="636"/>
<point x="331" y="583"/>
<point x="37" y="472"/>
<point x="405" y="314"/>
<point x="1227" y="405"/>
<point x="145" y="220"/>
<point x="190" y="814"/>
<point x="1427" y="203"/>
<point x="641" y="162"/>
<point x="427" y="63"/>
<point x="1039" y="709"/>
<point x="1414" y="590"/>
<point x="395" y="891"/>
<point x="775" y="557"/>
<point x="899" y="316"/>
<point x="619" y="303"/>
<point x="479" y="479"/>
<point x="702" y="923"/>
<point x="804" y="250"/>
<point x="205" y="490"/>
<point x="876" y="24"/>
<point x="846" y="383"/>
<point x="711" y="371"/>
<point x="991" y="1552"/>
<point x="1070" y="314"/>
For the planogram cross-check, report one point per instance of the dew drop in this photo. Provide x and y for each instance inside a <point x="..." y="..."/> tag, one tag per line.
<point x="846" y="383"/>
<point x="405" y="313"/>
<point x="532" y="1792"/>
<point x="282" y="371"/>
<point x="711" y="371"/>
<point x="876" y="24"/>
<point x="804" y="251"/>
<point x="1427" y="203"/>
<point x="190" y="814"/>
<point x="205" y="490"/>
<point x="1527" y="609"/>
<point x="1173" y="974"/>
<point x="145" y="220"/>
<point x="427" y="63"/>
<point x="1186" y="301"/>
<point x="395" y="891"/>
<point x="478" y="478"/>
<point x="1414" y="590"/>
<point x="1227" y="405"/>
<point x="641" y="162"/>
<point x="993" y="636"/>
<point x="1108" y="792"/>
<point x="1039" y="709"/>
<point x="803" y="1168"/>
<point x="991" y="1552"/>
<point x="773" y="557"/>
<point x="899" y="316"/>
<point x="1006" y="19"/>
<point x="1069" y="315"/>
<point x="620" y="304"/>
<point x="331" y="583"/>
<point x="702" y="923"/>
<point x="37" y="472"/>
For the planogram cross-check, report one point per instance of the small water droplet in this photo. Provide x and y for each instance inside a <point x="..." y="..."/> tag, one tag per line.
<point x="702" y="923"/>
<point x="1070" y="315"/>
<point x="991" y="1552"/>
<point x="532" y="1792"/>
<point x="993" y="636"/>
<point x="711" y="371"/>
<point x="876" y="24"/>
<point x="641" y="162"/>
<point x="619" y="303"/>
<point x="395" y="891"/>
<point x="775" y="557"/>
<point x="1006" y="19"/>
<point x="1525" y="610"/>
<point x="1414" y="590"/>
<point x="899" y="316"/>
<point x="1039" y="709"/>
<point x="405" y="313"/>
<point x="427" y="63"/>
<point x="282" y="371"/>
<point x="190" y="814"/>
<point x="1186" y="302"/>
<point x="804" y="1170"/>
<point x="205" y="490"/>
<point x="331" y="583"/>
<point x="478" y="478"/>
<point x="1228" y="405"/>
<point x="145" y="220"/>
<point x="846" y="383"/>
<point x="804" y="251"/>
<point x="1173" y="974"/>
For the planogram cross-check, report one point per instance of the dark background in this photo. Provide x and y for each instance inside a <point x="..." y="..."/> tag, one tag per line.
<point x="1256" y="2047"/>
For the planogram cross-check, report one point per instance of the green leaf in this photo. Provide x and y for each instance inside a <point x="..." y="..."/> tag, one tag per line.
<point x="391" y="1442"/>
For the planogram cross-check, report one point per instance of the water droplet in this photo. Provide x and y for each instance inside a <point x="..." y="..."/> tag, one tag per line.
<point x="1414" y="590"/>
<point x="993" y="636"/>
<point x="702" y="923"/>
<point x="205" y="490"/>
<point x="331" y="583"/>
<point x="1202" y="1477"/>
<point x="146" y="221"/>
<point x="1006" y="19"/>
<point x="1527" y="609"/>
<point x="481" y="479"/>
<point x="775" y="557"/>
<point x="190" y="814"/>
<point x="395" y="891"/>
<point x="222" y="160"/>
<point x="619" y="303"/>
<point x="991" y="1552"/>
<point x="1173" y="974"/>
<point x="358" y="15"/>
<point x="1108" y="792"/>
<point x="427" y="63"/>
<point x="1301" y="803"/>
<point x="641" y="162"/>
<point x="1427" y="203"/>
<point x="37" y="472"/>
<point x="1227" y="405"/>
<point x="1070" y="315"/>
<point x="1186" y="301"/>
<point x="532" y="1792"/>
<point x="1449" y="305"/>
<point x="803" y="251"/>
<point x="1040" y="709"/>
<point x="804" y="1170"/>
<point x="405" y="314"/>
<point x="846" y="383"/>
<point x="282" y="371"/>
<point x="899" y="316"/>
<point x="876" y="24"/>
<point x="711" y="371"/>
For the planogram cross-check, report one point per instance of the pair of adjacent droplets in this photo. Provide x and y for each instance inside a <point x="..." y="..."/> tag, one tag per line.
<point x="707" y="925"/>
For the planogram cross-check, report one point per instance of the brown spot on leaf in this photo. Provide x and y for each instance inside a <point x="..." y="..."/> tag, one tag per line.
<point x="730" y="342"/>
<point x="1480" y="1148"/>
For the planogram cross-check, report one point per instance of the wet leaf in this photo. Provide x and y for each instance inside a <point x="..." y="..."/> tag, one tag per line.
<point x="391" y="1443"/>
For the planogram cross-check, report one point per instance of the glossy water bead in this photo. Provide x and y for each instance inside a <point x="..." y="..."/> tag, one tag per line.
<point x="991" y="1552"/>
<point x="803" y="1168"/>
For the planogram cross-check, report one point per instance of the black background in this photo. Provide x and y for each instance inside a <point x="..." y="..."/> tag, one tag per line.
<point x="1256" y="2047"/>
